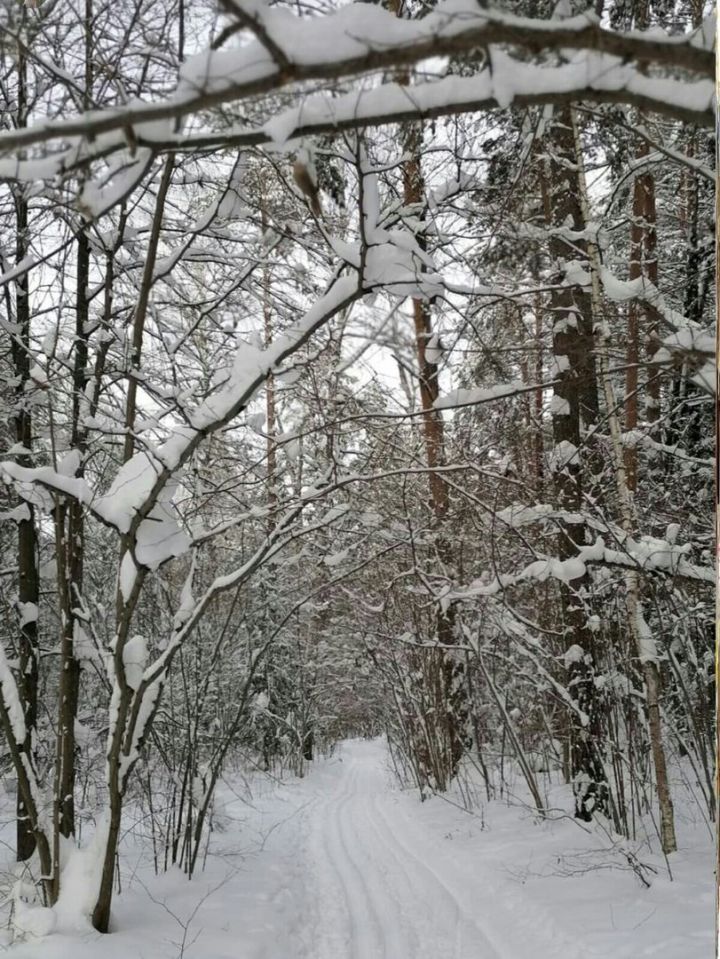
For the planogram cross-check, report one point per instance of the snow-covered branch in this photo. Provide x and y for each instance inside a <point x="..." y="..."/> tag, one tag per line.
<point x="646" y="555"/>
<point x="361" y="39"/>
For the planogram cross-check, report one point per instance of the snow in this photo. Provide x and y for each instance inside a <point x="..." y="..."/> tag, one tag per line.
<point x="250" y="368"/>
<point x="698" y="345"/>
<point x="396" y="268"/>
<point x="187" y="600"/>
<point x="261" y="702"/>
<point x="30" y="483"/>
<point x="559" y="406"/>
<point x="19" y="514"/>
<point x="510" y="81"/>
<point x="648" y="647"/>
<point x="83" y="648"/>
<point x="158" y="535"/>
<point x="565" y="570"/>
<point x="574" y="654"/>
<point x="27" y="262"/>
<point x="355" y="30"/>
<point x="358" y="37"/>
<point x="147" y="707"/>
<point x="70" y="463"/>
<point x="646" y="553"/>
<point x="11" y="699"/>
<point x="344" y="864"/>
<point x="433" y="350"/>
<point x="671" y="533"/>
<point x="564" y="454"/>
<point x="38" y="376"/>
<point x="477" y="395"/>
<point x="97" y="198"/>
<point x="689" y="339"/>
<point x="128" y="575"/>
<point x="135" y="655"/>
<point x="336" y="559"/>
<point x="29" y="613"/>
<point x="660" y="553"/>
<point x="519" y="514"/>
<point x="80" y="880"/>
<point x="33" y="921"/>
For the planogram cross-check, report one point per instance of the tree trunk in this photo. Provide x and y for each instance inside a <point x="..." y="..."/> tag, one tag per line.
<point x="70" y="536"/>
<point x="28" y="574"/>
<point x="101" y="912"/>
<point x="271" y="446"/>
<point x="638" y="629"/>
<point x="538" y="441"/>
<point x="70" y="548"/>
<point x="452" y="686"/>
<point x="575" y="409"/>
<point x="642" y="321"/>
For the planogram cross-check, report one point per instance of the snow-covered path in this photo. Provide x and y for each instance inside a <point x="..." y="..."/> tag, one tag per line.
<point x="344" y="864"/>
<point x="368" y="872"/>
<point x="383" y="893"/>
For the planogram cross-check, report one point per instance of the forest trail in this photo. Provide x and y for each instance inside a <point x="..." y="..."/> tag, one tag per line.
<point x="385" y="894"/>
<point x="388" y="888"/>
<point x="345" y="864"/>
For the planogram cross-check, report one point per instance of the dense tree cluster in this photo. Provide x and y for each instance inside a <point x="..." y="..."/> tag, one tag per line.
<point x="357" y="363"/>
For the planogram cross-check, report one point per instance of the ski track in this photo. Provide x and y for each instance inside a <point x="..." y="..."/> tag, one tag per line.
<point x="365" y="933"/>
<point x="386" y="889"/>
<point x="345" y="865"/>
<point x="399" y="939"/>
<point x="382" y="900"/>
<point x="455" y="924"/>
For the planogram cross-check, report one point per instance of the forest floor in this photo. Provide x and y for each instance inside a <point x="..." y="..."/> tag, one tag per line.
<point x="344" y="864"/>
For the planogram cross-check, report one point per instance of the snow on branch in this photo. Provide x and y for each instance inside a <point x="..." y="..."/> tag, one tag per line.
<point x="637" y="438"/>
<point x="475" y="396"/>
<point x="361" y="39"/>
<point x="138" y="502"/>
<point x="697" y="348"/>
<point x="596" y="78"/>
<point x="640" y="289"/>
<point x="148" y="688"/>
<point x="647" y="554"/>
<point x="688" y="342"/>
<point x="11" y="700"/>
<point x="36" y="484"/>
